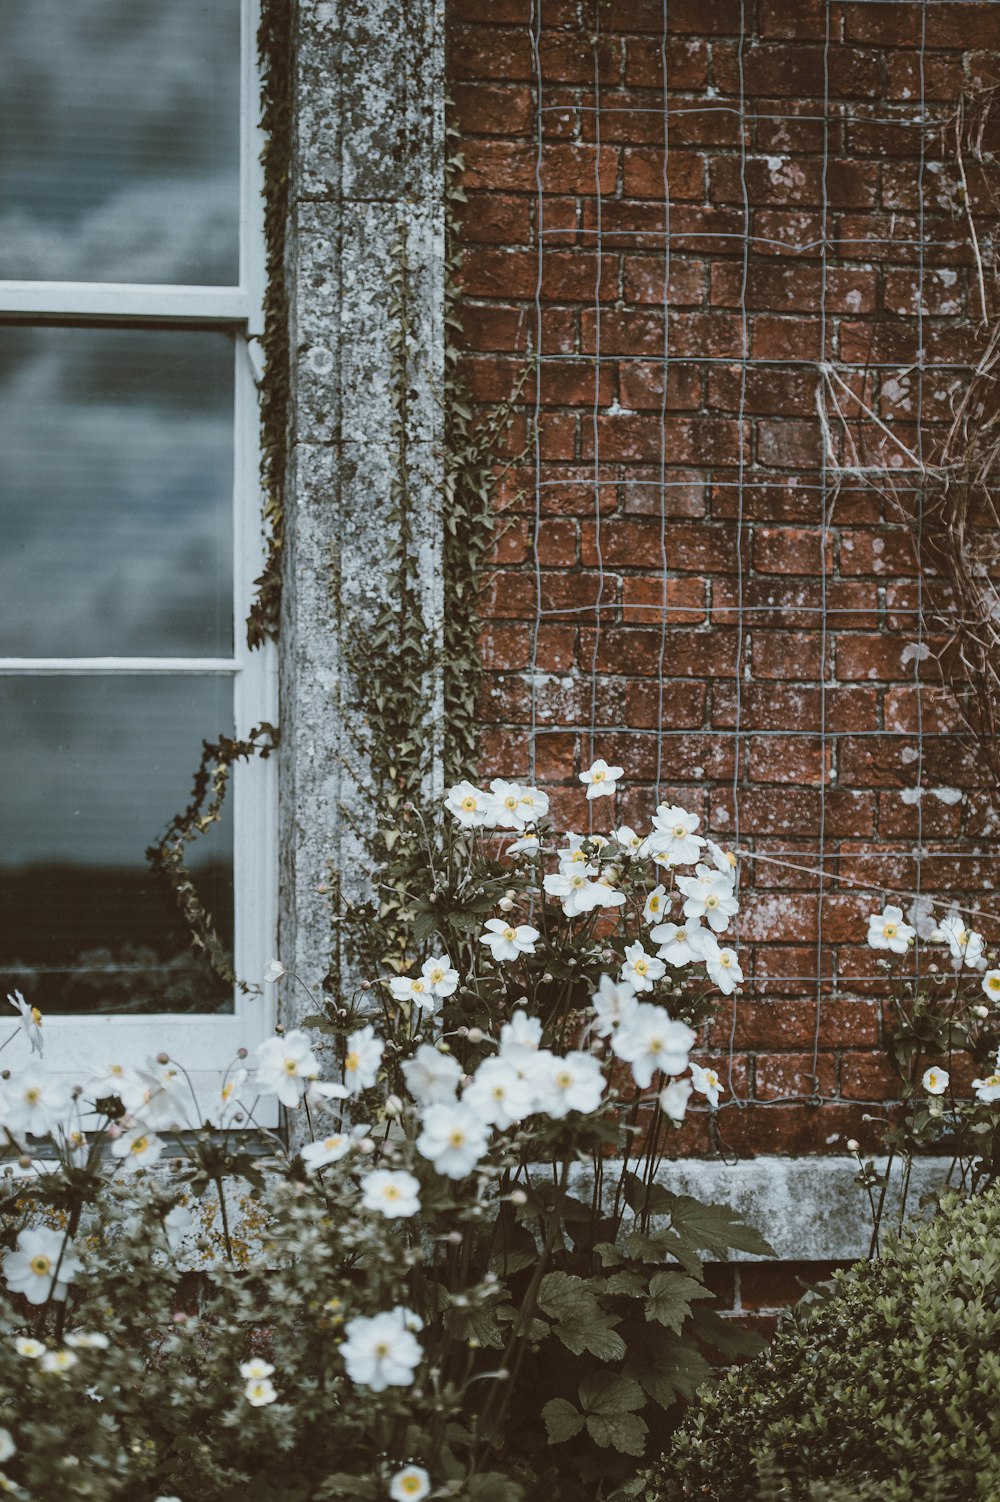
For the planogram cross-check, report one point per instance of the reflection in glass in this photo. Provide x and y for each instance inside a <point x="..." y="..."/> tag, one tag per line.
<point x="116" y="493"/>
<point x="120" y="128"/>
<point x="93" y="769"/>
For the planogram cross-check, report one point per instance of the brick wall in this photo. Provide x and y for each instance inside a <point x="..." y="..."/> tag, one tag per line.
<point x="681" y="579"/>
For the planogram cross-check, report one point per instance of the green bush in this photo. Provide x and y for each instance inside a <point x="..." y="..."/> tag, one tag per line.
<point x="885" y="1387"/>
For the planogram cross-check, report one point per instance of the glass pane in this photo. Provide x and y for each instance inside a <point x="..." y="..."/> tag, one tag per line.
<point x="120" y="128"/>
<point x="116" y="493"/>
<point x="93" y="769"/>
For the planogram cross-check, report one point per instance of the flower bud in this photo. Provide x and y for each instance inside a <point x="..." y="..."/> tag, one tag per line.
<point x="505" y="904"/>
<point x="853" y="1144"/>
<point x="393" y="1106"/>
<point x="547" y="977"/>
<point x="475" y="1035"/>
<point x="511" y="892"/>
<point x="241" y="1053"/>
<point x="980" y="1011"/>
<point x="518" y="1197"/>
<point x="454" y="1238"/>
<point x="366" y="1145"/>
<point x="163" y="1058"/>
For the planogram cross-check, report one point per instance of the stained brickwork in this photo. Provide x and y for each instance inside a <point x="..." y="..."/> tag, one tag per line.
<point x="758" y="208"/>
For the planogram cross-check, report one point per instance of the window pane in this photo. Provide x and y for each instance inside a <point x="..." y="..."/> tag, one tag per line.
<point x="116" y="492"/>
<point x="93" y="768"/>
<point x="120" y="128"/>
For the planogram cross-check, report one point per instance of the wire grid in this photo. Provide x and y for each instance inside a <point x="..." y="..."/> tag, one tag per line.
<point x="823" y="485"/>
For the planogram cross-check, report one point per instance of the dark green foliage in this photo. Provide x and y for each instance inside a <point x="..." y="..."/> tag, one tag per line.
<point x="885" y="1387"/>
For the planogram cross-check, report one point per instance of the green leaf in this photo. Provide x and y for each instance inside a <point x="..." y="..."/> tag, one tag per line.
<point x="668" y="1368"/>
<point x="610" y="1401"/>
<point x="562" y="1421"/>
<point x="670" y="1297"/>
<point x="725" y="1335"/>
<point x="715" y="1228"/>
<point x="493" y="1486"/>
<point x="578" y="1318"/>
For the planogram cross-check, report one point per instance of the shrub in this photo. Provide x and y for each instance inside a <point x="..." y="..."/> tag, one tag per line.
<point x="883" y="1386"/>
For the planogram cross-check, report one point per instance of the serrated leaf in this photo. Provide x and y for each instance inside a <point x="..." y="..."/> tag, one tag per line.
<point x="493" y="1486"/>
<point x="668" y="1368"/>
<point x="670" y="1297"/>
<point x="714" y="1228"/>
<point x="608" y="1392"/>
<point x="578" y="1318"/>
<point x="562" y="1420"/>
<point x="624" y="1432"/>
<point x="608" y="1254"/>
<point x="633" y="1284"/>
<point x="725" y="1335"/>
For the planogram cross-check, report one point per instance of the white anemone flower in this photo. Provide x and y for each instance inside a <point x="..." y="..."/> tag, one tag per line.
<point x="577" y="893"/>
<point x="887" y="930"/>
<point x="724" y="969"/>
<point x="256" y="1370"/>
<point x="656" y="903"/>
<point x="709" y="895"/>
<point x="520" y="1037"/>
<point x="285" y="1066"/>
<point x="411" y="1484"/>
<point x="327" y="1150"/>
<point x="935" y="1081"/>
<point x="471" y="806"/>
<point x="381" y="1350"/>
<point x="612" y="1002"/>
<point x="965" y="944"/>
<point x="166" y="1101"/>
<point x="682" y="943"/>
<point x="575" y="1083"/>
<point x="273" y="971"/>
<point x="416" y="989"/>
<point x="362" y="1060"/>
<point x="600" y="779"/>
<point x="119" y="1080"/>
<point x="672" y="840"/>
<point x="509" y="808"/>
<point x="641" y="969"/>
<point x="722" y="860"/>
<point x="137" y="1148"/>
<point x="573" y="855"/>
<point x="499" y="1095"/>
<point x="987" y="1090"/>
<point x="535" y="804"/>
<point x="707" y="1083"/>
<point x="627" y="839"/>
<point x="506" y="941"/>
<point x="650" y="1040"/>
<point x="441" y="975"/>
<point x="31" y="1021"/>
<point x="31" y="1269"/>
<point x="260" y="1391"/>
<point x="28" y="1347"/>
<point x="58" y="1361"/>
<point x="528" y="844"/>
<point x="393" y="1193"/>
<point x="674" y="1098"/>
<point x="34" y="1102"/>
<point x="432" y="1076"/>
<point x="7" y="1445"/>
<point x="454" y="1138"/>
<point x="87" y="1340"/>
<point x="991" y="985"/>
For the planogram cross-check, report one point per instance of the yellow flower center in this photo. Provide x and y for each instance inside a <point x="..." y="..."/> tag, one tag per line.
<point x="725" y="961"/>
<point x="640" y="967"/>
<point x="509" y="934"/>
<point x="437" y="975"/>
<point x="392" y="1191"/>
<point x="510" y="801"/>
<point x="36" y="1016"/>
<point x="994" y="983"/>
<point x="469" y="803"/>
<point x="411" y="1485"/>
<point x="40" y="1265"/>
<point x="139" y="1145"/>
<point x="290" y="1066"/>
<point x="418" y="986"/>
<point x="680" y="830"/>
<point x="32" y="1095"/>
<point x="654" y="904"/>
<point x="889" y="929"/>
<point x="564" y="1079"/>
<point x="382" y="1349"/>
<point x="456" y="1137"/>
<point x="332" y="1143"/>
<point x="711" y="900"/>
<point x="352" y="1062"/>
<point x="656" y="1045"/>
<point x="599" y="776"/>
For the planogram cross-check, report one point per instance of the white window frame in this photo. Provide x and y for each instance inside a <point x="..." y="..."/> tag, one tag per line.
<point x="204" y="1043"/>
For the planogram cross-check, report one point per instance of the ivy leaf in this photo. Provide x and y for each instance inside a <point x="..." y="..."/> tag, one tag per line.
<point x="609" y="1402"/>
<point x="562" y="1421"/>
<point x="670" y="1298"/>
<point x="578" y="1318"/>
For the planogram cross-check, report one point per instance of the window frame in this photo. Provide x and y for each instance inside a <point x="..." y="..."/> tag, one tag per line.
<point x="205" y="1043"/>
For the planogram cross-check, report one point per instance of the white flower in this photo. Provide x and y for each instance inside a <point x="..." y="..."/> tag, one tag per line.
<point x="682" y="943"/>
<point x="453" y="1139"/>
<point x="575" y="1083"/>
<point x="285" y="1065"/>
<point x="887" y="930"/>
<point x="935" y="1081"/>
<point x="87" y="1340"/>
<point x="673" y="841"/>
<point x="722" y="860"/>
<point x="991" y="984"/>
<point x="326" y="1150"/>
<point x="472" y="808"/>
<point x="30" y="1270"/>
<point x="320" y="1094"/>
<point x="987" y="1090"/>
<point x="709" y="895"/>
<point x="256" y="1370"/>
<point x="432" y="1075"/>
<point x="7" y="1445"/>
<point x="724" y="968"/>
<point x="612" y="1002"/>
<point x="116" y="1079"/>
<point x="528" y="844"/>
<point x="394" y="1194"/>
<point x="362" y="1060"/>
<point x="137" y="1148"/>
<point x="382" y="1351"/>
<point x="655" y="903"/>
<point x="535" y="804"/>
<point x="965" y="944"/>
<point x="627" y="838"/>
<point x="410" y="1485"/>
<point x="519" y="1037"/>
<point x="674" y="1098"/>
<point x="31" y="1021"/>
<point x="600" y="779"/>
<point x="577" y="893"/>
<point x="165" y="1098"/>
<point x="58" y="1361"/>
<point x="641" y="969"/>
<point x="259" y="1391"/>
<point x="441" y="975"/>
<point x="415" y="988"/>
<point x="707" y="1083"/>
<point x="506" y="942"/>
<point x="34" y="1102"/>
<point x="499" y="1095"/>
<point x="273" y="971"/>
<point x="512" y="805"/>
<point x="649" y="1039"/>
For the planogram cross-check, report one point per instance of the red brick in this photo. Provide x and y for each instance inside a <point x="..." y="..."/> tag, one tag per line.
<point x="643" y="173"/>
<point x="687" y="63"/>
<point x="499" y="109"/>
<point x="643" y="600"/>
<point x="680" y="706"/>
<point x="496" y="219"/>
<point x="794" y="758"/>
<point x="788" y="443"/>
<point x="777" y="1075"/>
<point x="760" y="1130"/>
<point x="644" y="277"/>
<point x="868" y="1077"/>
<point x="564" y="60"/>
<point x="791" y="550"/>
<point x="641" y="386"/>
<point x="489" y="52"/>
<point x="793" y="181"/>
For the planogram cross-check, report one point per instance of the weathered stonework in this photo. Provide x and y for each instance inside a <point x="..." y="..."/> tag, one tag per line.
<point x="367" y="164"/>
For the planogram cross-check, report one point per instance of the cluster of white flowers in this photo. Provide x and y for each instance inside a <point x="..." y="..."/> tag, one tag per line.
<point x="888" y="930"/>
